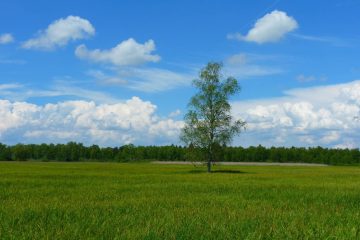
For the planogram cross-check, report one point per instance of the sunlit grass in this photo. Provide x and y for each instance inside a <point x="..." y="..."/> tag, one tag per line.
<point x="148" y="201"/>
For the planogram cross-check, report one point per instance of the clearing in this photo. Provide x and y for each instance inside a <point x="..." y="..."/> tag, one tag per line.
<point x="153" y="201"/>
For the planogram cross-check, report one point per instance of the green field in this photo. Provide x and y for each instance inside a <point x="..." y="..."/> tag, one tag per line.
<point x="148" y="201"/>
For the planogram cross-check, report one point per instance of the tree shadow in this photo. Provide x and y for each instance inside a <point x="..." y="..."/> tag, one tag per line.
<point x="226" y="171"/>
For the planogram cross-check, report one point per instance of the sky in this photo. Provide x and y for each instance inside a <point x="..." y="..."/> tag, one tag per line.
<point x="118" y="72"/>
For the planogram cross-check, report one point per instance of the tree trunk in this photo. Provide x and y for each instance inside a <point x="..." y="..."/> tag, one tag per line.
<point x="209" y="166"/>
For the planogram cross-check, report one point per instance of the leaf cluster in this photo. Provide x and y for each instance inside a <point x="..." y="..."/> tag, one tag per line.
<point x="209" y="122"/>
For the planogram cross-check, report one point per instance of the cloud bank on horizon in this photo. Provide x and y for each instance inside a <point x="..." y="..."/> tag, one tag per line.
<point x="87" y="122"/>
<point x="323" y="116"/>
<point x="315" y="116"/>
<point x="91" y="111"/>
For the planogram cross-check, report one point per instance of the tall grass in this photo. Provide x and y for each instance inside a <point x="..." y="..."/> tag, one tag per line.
<point x="147" y="201"/>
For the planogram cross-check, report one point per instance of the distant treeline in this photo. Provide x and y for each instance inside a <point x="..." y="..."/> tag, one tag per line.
<point x="74" y="152"/>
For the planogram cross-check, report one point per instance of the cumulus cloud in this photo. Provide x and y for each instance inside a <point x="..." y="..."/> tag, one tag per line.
<point x="125" y="67"/>
<point x="6" y="38"/>
<point x="87" y="122"/>
<point x="270" y="28"/>
<point x="60" y="33"/>
<point x="128" y="52"/>
<point x="322" y="115"/>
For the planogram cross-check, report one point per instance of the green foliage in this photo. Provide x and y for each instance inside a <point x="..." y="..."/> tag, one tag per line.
<point x="74" y="152"/>
<point x="148" y="201"/>
<point x="5" y="153"/>
<point x="20" y="152"/>
<point x="209" y="123"/>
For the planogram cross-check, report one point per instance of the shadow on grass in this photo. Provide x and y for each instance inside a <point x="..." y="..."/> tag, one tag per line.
<point x="227" y="171"/>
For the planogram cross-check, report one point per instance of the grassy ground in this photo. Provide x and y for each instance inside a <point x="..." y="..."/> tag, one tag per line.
<point x="148" y="201"/>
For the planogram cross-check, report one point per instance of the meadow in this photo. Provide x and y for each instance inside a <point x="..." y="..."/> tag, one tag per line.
<point x="147" y="201"/>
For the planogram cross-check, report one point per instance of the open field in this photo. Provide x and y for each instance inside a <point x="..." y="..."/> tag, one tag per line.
<point x="243" y="163"/>
<point x="151" y="201"/>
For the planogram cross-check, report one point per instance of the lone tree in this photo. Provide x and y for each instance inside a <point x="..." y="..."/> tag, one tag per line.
<point x="208" y="123"/>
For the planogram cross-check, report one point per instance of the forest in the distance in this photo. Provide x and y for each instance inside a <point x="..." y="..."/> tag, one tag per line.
<point x="74" y="152"/>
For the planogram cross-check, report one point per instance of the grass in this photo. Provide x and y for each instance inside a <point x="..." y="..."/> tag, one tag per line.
<point x="148" y="201"/>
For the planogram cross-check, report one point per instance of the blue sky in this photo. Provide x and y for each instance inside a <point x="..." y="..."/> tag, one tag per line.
<point x="116" y="72"/>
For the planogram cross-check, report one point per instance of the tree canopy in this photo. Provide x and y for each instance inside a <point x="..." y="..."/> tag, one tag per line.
<point x="208" y="123"/>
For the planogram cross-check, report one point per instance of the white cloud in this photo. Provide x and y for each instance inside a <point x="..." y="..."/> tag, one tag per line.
<point x="302" y="78"/>
<point x="330" y="137"/>
<point x="12" y="61"/>
<point x="238" y="59"/>
<point x="310" y="78"/>
<point x="87" y="122"/>
<point x="270" y="28"/>
<point x="249" y="71"/>
<point x="63" y="89"/>
<point x="151" y="79"/>
<point x="128" y="52"/>
<point x="123" y="62"/>
<point x="322" y="115"/>
<point x="6" y="38"/>
<point x="175" y="113"/>
<point x="245" y="65"/>
<point x="8" y="86"/>
<point x="143" y="79"/>
<point x="18" y="92"/>
<point x="155" y="79"/>
<point x="60" y="33"/>
<point x="334" y="41"/>
<point x="106" y="79"/>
